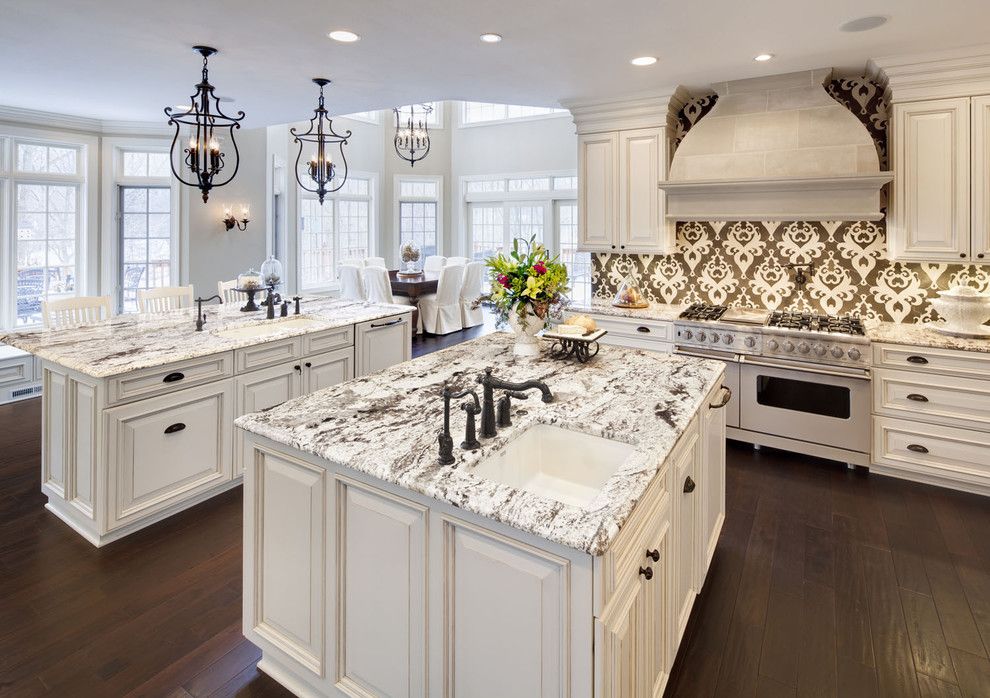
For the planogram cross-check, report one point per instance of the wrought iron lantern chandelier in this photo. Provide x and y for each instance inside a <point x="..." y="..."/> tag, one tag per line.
<point x="321" y="170"/>
<point x="201" y="161"/>
<point x="412" y="132"/>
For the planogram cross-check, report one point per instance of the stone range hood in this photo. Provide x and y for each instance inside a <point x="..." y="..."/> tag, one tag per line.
<point x="776" y="148"/>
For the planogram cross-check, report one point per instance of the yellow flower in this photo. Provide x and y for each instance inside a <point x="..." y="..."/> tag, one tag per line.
<point x="533" y="286"/>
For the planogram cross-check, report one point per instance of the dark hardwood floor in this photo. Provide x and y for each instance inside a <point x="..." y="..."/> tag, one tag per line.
<point x="825" y="582"/>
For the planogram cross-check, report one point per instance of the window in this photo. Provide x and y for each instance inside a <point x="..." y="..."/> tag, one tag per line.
<point x="578" y="263"/>
<point x="47" y="159"/>
<point x="338" y="231"/>
<point x="486" y="112"/>
<point x="418" y="208"/>
<point x="487" y="230"/>
<point x="141" y="164"/>
<point x="145" y="241"/>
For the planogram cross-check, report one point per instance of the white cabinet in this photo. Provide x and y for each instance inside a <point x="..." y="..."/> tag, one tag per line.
<point x="686" y="509"/>
<point x="325" y="370"/>
<point x="621" y="208"/>
<point x="712" y="478"/>
<point x="940" y="203"/>
<point x="379" y="344"/>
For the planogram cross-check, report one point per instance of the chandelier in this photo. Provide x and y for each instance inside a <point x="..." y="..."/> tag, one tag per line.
<point x="321" y="169"/>
<point x="412" y="132"/>
<point x="203" y="158"/>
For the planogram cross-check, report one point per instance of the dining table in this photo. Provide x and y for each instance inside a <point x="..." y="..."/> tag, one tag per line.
<point x="413" y="286"/>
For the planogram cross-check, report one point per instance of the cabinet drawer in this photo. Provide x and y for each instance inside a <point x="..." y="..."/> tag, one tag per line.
<point x="943" y="399"/>
<point x="267" y="354"/>
<point x="933" y="452"/>
<point x="381" y="343"/>
<point x="972" y="364"/>
<point x="655" y="335"/>
<point x="330" y="340"/>
<point x="167" y="449"/>
<point x="168" y="379"/>
<point x="16" y="370"/>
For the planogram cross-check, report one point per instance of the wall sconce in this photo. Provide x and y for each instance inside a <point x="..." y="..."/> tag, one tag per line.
<point x="229" y="221"/>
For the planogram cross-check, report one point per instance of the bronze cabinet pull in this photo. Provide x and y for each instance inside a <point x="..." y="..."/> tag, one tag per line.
<point x="646" y="572"/>
<point x="917" y="397"/>
<point x="689" y="485"/>
<point x="917" y="448"/>
<point x="726" y="396"/>
<point x="387" y="324"/>
<point x="173" y="377"/>
<point x="917" y="360"/>
<point x="643" y="329"/>
<point x="173" y="428"/>
<point x="653" y="555"/>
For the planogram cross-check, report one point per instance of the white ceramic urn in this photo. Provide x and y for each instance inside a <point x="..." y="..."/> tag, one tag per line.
<point x="964" y="310"/>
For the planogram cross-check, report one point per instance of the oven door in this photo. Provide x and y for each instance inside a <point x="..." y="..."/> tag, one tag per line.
<point x="818" y="404"/>
<point x="731" y="380"/>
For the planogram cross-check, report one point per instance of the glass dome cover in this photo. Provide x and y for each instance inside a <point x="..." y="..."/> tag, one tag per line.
<point x="629" y="295"/>
<point x="249" y="279"/>
<point x="271" y="271"/>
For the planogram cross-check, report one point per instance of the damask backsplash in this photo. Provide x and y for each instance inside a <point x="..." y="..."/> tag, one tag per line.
<point x="744" y="264"/>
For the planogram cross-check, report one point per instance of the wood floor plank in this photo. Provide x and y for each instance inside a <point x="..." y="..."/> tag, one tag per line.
<point x="958" y="623"/>
<point x="769" y="688"/>
<point x="973" y="673"/>
<point x="976" y="584"/>
<point x="854" y="640"/>
<point x="819" y="559"/>
<point x="854" y="680"/>
<point x="817" y="659"/>
<point x="933" y="688"/>
<point x="931" y="654"/>
<point x="911" y="573"/>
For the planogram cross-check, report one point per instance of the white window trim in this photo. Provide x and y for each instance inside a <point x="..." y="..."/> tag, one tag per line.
<point x="371" y="197"/>
<point x="87" y="208"/>
<point x="461" y="123"/>
<point x="397" y="198"/>
<point x="113" y="178"/>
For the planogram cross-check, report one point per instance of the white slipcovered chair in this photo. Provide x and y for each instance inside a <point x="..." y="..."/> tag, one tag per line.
<point x="375" y="262"/>
<point x="73" y="312"/>
<point x="377" y="285"/>
<point x="457" y="260"/>
<point x="164" y="298"/>
<point x="352" y="262"/>
<point x="227" y="291"/>
<point x="351" y="284"/>
<point x="474" y="273"/>
<point x="434" y="262"/>
<point x="440" y="312"/>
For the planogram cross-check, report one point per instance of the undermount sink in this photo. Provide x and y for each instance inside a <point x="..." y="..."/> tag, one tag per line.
<point x="560" y="464"/>
<point x="269" y="327"/>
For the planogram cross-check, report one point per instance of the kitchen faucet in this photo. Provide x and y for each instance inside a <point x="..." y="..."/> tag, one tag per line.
<point x="200" y="317"/>
<point x="489" y="384"/>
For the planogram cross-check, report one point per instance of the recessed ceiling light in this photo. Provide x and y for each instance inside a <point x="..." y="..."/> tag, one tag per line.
<point x="491" y="37"/>
<point x="864" y="24"/>
<point x="343" y="35"/>
<point x="644" y="60"/>
<point x="763" y="57"/>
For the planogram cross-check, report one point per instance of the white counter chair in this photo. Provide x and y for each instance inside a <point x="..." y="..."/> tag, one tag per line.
<point x="352" y="262"/>
<point x="351" y="284"/>
<point x="440" y="312"/>
<point x="227" y="291"/>
<point x="434" y="263"/>
<point x="377" y="285"/>
<point x="457" y="260"/>
<point x="72" y="312"/>
<point x="474" y="274"/>
<point x="375" y="262"/>
<point x="164" y="299"/>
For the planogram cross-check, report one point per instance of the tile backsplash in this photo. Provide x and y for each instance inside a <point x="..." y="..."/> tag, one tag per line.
<point x="745" y="264"/>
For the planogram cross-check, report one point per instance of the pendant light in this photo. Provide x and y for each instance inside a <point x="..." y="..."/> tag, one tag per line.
<point x="412" y="132"/>
<point x="321" y="170"/>
<point x="202" y="159"/>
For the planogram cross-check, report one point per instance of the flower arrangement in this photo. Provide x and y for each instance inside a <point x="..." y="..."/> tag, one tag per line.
<point x="527" y="280"/>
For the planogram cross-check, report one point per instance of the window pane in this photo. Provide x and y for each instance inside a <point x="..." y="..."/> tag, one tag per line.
<point x="158" y="165"/>
<point x="31" y="198"/>
<point x="564" y="183"/>
<point x="135" y="199"/>
<point x="144" y="262"/>
<point x="353" y="225"/>
<point x="578" y="263"/>
<point x="487" y="231"/>
<point x="526" y="221"/>
<point x="32" y="158"/>
<point x="529" y="184"/>
<point x="483" y="185"/>
<point x="475" y="112"/>
<point x="418" y="224"/>
<point x="418" y="189"/>
<point x="354" y="186"/>
<point x="160" y="200"/>
<point x="62" y="160"/>
<point x="316" y="258"/>
<point x="135" y="164"/>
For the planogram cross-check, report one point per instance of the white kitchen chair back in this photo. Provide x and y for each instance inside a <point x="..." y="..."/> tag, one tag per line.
<point x="225" y="289"/>
<point x="352" y="262"/>
<point x="377" y="285"/>
<point x="434" y="262"/>
<point x="164" y="299"/>
<point x="73" y="312"/>
<point x="375" y="262"/>
<point x="457" y="260"/>
<point x="474" y="274"/>
<point x="440" y="312"/>
<point x="351" y="285"/>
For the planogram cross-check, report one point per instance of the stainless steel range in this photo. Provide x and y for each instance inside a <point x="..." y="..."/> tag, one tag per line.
<point x="800" y="381"/>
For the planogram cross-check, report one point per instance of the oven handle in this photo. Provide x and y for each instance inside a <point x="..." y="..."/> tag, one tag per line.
<point x="729" y="357"/>
<point x="861" y="374"/>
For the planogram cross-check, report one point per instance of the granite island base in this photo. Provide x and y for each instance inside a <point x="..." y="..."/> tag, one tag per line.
<point x="370" y="570"/>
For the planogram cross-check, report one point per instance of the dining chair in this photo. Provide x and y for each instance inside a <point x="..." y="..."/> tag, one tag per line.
<point x="164" y="298"/>
<point x="352" y="262"/>
<point x="440" y="312"/>
<point x="474" y="274"/>
<point x="375" y="262"/>
<point x="226" y="291"/>
<point x="377" y="285"/>
<point x="457" y="260"/>
<point x="434" y="263"/>
<point x="351" y="284"/>
<point x="73" y="312"/>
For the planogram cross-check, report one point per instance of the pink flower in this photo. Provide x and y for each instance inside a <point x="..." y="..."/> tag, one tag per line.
<point x="539" y="269"/>
<point x="504" y="280"/>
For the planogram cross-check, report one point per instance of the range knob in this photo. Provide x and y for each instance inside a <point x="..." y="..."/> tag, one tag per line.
<point x="853" y="354"/>
<point x="750" y="342"/>
<point x="804" y="347"/>
<point x="715" y="338"/>
<point x="771" y="344"/>
<point x="788" y="346"/>
<point x="821" y="349"/>
<point x="728" y="339"/>
<point x="702" y="337"/>
<point x="837" y="352"/>
<point x="688" y="334"/>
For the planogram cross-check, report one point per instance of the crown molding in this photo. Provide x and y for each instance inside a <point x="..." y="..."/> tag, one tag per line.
<point x="67" y="122"/>
<point x="643" y="110"/>
<point x="961" y="72"/>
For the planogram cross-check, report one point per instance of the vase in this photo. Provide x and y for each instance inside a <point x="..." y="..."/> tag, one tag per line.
<point x="525" y="328"/>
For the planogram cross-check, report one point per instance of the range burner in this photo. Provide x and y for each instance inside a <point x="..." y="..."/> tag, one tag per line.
<point x="812" y="322"/>
<point x="703" y="311"/>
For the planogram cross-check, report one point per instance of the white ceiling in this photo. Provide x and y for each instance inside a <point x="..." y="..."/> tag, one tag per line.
<point x="127" y="59"/>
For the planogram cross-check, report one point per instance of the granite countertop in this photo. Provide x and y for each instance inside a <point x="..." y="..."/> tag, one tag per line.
<point x="134" y="341"/>
<point x="657" y="311"/>
<point x="922" y="335"/>
<point x="385" y="425"/>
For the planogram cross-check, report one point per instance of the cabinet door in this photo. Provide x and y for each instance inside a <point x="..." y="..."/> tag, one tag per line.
<point x="379" y="344"/>
<point x="166" y="449"/>
<point x="981" y="179"/>
<point x="656" y="634"/>
<point x="261" y="390"/>
<point x="622" y="655"/>
<point x="325" y="370"/>
<point x="685" y="521"/>
<point x="598" y="174"/>
<point x="641" y="221"/>
<point x="930" y="217"/>
<point x="712" y="482"/>
<point x="501" y="614"/>
<point x="381" y="594"/>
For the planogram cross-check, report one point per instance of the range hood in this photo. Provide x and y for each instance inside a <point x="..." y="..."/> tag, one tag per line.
<point x="776" y="148"/>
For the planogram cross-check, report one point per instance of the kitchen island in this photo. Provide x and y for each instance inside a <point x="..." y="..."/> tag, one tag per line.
<point x="138" y="411"/>
<point x="371" y="569"/>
